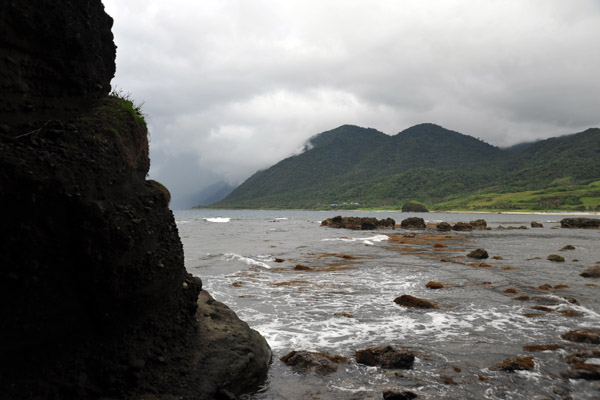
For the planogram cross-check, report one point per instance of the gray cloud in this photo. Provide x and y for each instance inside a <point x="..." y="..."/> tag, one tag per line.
<point x="231" y="87"/>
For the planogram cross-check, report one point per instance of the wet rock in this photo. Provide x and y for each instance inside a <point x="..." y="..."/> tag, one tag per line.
<point x="308" y="361"/>
<point x="591" y="272"/>
<point x="568" y="247"/>
<point x="414" y="206"/>
<point x="394" y="395"/>
<point x="434" y="285"/>
<point x="386" y="357"/>
<point x="479" y="224"/>
<point x="301" y="267"/>
<point x="478" y="254"/>
<point x="555" y="258"/>
<point x="516" y="364"/>
<point x="590" y="372"/>
<point x="359" y="223"/>
<point x="462" y="226"/>
<point x="511" y="291"/>
<point x="413" y="223"/>
<point x="534" y="348"/>
<point x="443" y="227"/>
<point x="591" y="336"/>
<point x="409" y="301"/>
<point x="535" y="224"/>
<point x="278" y="260"/>
<point x="580" y="223"/>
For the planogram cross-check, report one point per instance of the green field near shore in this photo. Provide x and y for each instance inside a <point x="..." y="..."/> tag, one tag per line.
<point x="559" y="198"/>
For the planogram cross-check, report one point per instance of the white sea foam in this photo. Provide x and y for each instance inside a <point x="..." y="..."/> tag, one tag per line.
<point x="217" y="219"/>
<point x="246" y="260"/>
<point x="366" y="240"/>
<point x="281" y="219"/>
<point x="181" y="222"/>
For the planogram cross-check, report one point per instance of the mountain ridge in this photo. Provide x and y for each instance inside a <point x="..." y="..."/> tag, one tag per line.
<point x="426" y="162"/>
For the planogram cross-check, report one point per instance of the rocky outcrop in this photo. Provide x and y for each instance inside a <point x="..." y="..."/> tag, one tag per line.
<point x="580" y="223"/>
<point x="583" y="336"/>
<point x="414" y="206"/>
<point x="389" y="357"/>
<point x="413" y="223"/>
<point x="57" y="58"/>
<point x="359" y="223"/>
<point x="555" y="257"/>
<point x="95" y="301"/>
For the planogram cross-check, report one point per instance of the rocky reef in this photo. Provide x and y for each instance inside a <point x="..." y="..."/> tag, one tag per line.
<point x="95" y="300"/>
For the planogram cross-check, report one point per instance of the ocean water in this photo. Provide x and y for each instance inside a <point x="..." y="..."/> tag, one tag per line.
<point x="344" y="303"/>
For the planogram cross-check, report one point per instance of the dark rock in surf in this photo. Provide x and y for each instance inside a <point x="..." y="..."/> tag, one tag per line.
<point x="443" y="227"/>
<point x="413" y="223"/>
<point x="307" y="361"/>
<point x="516" y="364"/>
<point x="359" y="223"/>
<point x="555" y="258"/>
<point x="480" y="224"/>
<point x="591" y="272"/>
<point x="535" y="224"/>
<point x="580" y="223"/>
<point x="478" y="254"/>
<point x="394" y="395"/>
<point x="462" y="227"/>
<point x="389" y="357"/>
<point x="434" y="285"/>
<point x="591" y="336"/>
<point x="590" y="372"/>
<point x="409" y="301"/>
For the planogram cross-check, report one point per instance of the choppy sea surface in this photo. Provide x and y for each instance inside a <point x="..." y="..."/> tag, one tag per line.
<point x="344" y="303"/>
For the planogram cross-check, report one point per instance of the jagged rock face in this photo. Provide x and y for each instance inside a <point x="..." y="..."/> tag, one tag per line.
<point x="90" y="258"/>
<point x="56" y="57"/>
<point x="95" y="301"/>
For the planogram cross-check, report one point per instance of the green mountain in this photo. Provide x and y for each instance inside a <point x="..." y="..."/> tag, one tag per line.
<point x="353" y="167"/>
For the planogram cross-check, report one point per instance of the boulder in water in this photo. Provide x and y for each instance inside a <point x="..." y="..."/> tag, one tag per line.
<point x="413" y="223"/>
<point x="580" y="223"/>
<point x="516" y="364"/>
<point x="409" y="301"/>
<point x="308" y="361"/>
<point x="443" y="227"/>
<point x="478" y="254"/>
<point x="386" y="357"/>
<point x="583" y="336"/>
<point x="462" y="227"/>
<point x="591" y="272"/>
<point x="535" y="224"/>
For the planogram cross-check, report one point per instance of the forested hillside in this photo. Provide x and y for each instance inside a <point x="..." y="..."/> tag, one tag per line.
<point x="353" y="167"/>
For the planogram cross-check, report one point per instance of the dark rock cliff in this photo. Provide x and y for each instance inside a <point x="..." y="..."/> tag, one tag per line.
<point x="94" y="297"/>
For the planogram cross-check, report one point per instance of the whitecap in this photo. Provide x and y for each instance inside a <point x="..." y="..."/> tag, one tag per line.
<point x="366" y="240"/>
<point x="181" y="222"/>
<point x="247" y="260"/>
<point x="217" y="219"/>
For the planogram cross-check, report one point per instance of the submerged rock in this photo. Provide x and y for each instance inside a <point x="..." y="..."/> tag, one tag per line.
<point x="386" y="357"/>
<point x="590" y="372"/>
<point x="409" y="301"/>
<point x="591" y="336"/>
<point x="434" y="285"/>
<point x="394" y="395"/>
<point x="515" y="364"/>
<point x="413" y="223"/>
<point x="478" y="254"/>
<point x="580" y="223"/>
<point x="568" y="247"/>
<point x="359" y="223"/>
<point x="555" y="258"/>
<point x="308" y="361"/>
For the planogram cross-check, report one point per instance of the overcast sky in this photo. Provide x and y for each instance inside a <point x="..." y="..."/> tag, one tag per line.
<point x="234" y="86"/>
